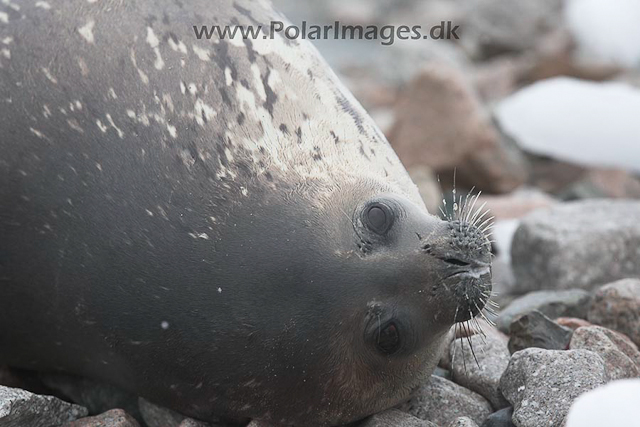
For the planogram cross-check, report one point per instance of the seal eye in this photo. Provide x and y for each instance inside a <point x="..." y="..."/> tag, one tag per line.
<point x="388" y="341"/>
<point x="379" y="218"/>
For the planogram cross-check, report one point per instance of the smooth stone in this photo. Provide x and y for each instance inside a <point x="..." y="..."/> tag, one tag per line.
<point x="483" y="377"/>
<point x="562" y="303"/>
<point x="534" y="329"/>
<point x="112" y="418"/>
<point x="617" y="306"/>
<point x="501" y="418"/>
<point x="542" y="384"/>
<point x="442" y="401"/>
<point x="620" y="354"/>
<point x="20" y="408"/>
<point x="580" y="244"/>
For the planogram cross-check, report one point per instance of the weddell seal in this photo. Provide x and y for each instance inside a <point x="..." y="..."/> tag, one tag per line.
<point x="215" y="225"/>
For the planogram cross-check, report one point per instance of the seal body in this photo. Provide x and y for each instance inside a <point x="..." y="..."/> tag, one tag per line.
<point x="215" y="225"/>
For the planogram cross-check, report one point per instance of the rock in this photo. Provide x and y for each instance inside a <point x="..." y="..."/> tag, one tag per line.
<point x="440" y="123"/>
<point x="572" y="322"/>
<point x="569" y="303"/>
<point x="258" y="423"/>
<point x="534" y="329"/>
<point x="97" y="397"/>
<point x="496" y="27"/>
<point x="190" y="422"/>
<point x="577" y="244"/>
<point x="482" y="377"/>
<point x="394" y="417"/>
<point x="621" y="356"/>
<point x="517" y="204"/>
<point x="615" y="404"/>
<point x="463" y="422"/>
<point x="20" y="408"/>
<point x="538" y="119"/>
<point x="555" y="56"/>
<point x="157" y="416"/>
<point x="442" y="372"/>
<point x="501" y="418"/>
<point x="617" y="306"/>
<point x="471" y="329"/>
<point x="501" y="271"/>
<point x="590" y="23"/>
<point x="603" y="183"/>
<point x="442" y="401"/>
<point x="428" y="187"/>
<point x="542" y="384"/>
<point x="500" y="77"/>
<point x="482" y="326"/>
<point x="112" y="418"/>
<point x="551" y="175"/>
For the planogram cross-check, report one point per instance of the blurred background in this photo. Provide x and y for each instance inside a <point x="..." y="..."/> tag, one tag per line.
<point x="537" y="103"/>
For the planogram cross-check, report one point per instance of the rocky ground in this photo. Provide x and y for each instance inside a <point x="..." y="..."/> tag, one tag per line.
<point x="536" y="106"/>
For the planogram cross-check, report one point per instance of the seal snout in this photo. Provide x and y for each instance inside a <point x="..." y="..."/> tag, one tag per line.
<point x="465" y="262"/>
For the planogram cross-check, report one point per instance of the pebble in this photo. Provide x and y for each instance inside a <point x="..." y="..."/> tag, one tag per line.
<point x="20" y="408"/>
<point x="580" y="244"/>
<point x="534" y="329"/>
<point x="542" y="384"/>
<point x="621" y="356"/>
<point x="442" y="401"/>
<point x="617" y="306"/>
<point x="112" y="418"/>
<point x="482" y="377"/>
<point x="566" y="303"/>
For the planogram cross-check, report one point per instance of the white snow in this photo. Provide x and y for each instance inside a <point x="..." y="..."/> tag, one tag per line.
<point x="614" y="404"/>
<point x="584" y="122"/>
<point x="608" y="30"/>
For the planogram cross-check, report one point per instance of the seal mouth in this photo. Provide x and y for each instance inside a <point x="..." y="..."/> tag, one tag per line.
<point x="472" y="291"/>
<point x="475" y="272"/>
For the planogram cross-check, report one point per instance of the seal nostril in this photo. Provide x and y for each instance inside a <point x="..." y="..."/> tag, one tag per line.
<point x="456" y="261"/>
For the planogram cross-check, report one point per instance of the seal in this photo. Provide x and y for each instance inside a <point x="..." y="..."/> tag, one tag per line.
<point x="213" y="224"/>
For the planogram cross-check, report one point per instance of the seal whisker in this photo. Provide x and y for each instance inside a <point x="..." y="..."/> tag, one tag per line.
<point x="468" y="334"/>
<point x="486" y="221"/>
<point x="472" y="206"/>
<point x="478" y="211"/>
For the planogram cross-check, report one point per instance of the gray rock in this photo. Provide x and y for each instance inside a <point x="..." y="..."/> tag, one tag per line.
<point x="603" y="183"/>
<point x="428" y="187"/>
<point x="463" y="422"/>
<point x="542" y="384"/>
<point x="617" y="306"/>
<point x="553" y="304"/>
<point x="19" y="408"/>
<point x="621" y="356"/>
<point x="158" y="416"/>
<point x="440" y="123"/>
<point x="112" y="418"/>
<point x="258" y="423"/>
<point x="501" y="418"/>
<point x="395" y="417"/>
<point x="577" y="244"/>
<point x="483" y="377"/>
<point x="495" y="27"/>
<point x="534" y="329"/>
<point x="442" y="401"/>
<point x="190" y="422"/>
